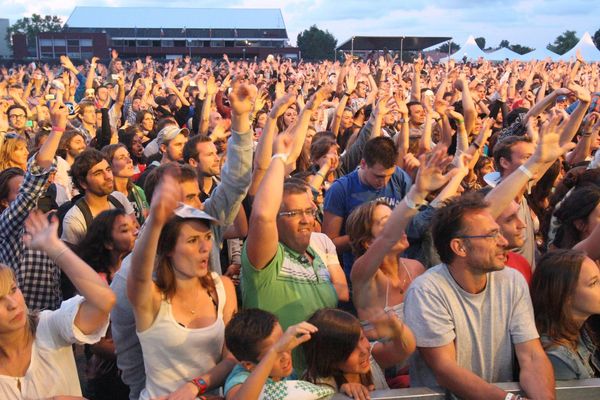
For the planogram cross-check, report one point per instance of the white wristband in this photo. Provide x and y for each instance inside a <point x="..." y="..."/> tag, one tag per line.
<point x="283" y="157"/>
<point x="411" y="204"/>
<point x="527" y="172"/>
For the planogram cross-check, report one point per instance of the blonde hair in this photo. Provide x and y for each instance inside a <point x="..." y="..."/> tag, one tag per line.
<point x="7" y="280"/>
<point x="8" y="147"/>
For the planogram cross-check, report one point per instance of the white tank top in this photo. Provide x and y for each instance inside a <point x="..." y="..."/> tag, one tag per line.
<point x="174" y="354"/>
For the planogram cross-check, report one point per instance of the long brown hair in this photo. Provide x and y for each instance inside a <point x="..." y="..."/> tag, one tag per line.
<point x="359" y="225"/>
<point x="7" y="279"/>
<point x="552" y="288"/>
<point x="165" y="274"/>
<point x="337" y="337"/>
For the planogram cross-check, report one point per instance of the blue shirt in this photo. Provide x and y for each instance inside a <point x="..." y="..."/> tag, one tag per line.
<point x="348" y="192"/>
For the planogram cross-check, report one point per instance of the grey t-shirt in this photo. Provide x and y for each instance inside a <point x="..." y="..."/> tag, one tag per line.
<point x="483" y="326"/>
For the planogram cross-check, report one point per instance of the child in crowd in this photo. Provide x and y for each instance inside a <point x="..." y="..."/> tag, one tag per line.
<point x="265" y="371"/>
<point x="340" y="356"/>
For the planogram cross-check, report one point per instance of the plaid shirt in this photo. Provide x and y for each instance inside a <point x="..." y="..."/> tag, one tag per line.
<point x="37" y="275"/>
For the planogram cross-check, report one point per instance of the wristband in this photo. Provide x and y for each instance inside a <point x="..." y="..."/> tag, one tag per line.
<point x="283" y="157"/>
<point x="57" y="129"/>
<point x="477" y="145"/>
<point x="586" y="134"/>
<point x="460" y="121"/>
<point x="321" y="175"/>
<point x="347" y="94"/>
<point x="200" y="384"/>
<point x="527" y="172"/>
<point x="60" y="254"/>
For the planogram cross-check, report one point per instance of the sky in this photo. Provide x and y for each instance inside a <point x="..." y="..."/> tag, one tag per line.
<point x="531" y="23"/>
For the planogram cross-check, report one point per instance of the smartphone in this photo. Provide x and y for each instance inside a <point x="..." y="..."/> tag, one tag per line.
<point x="179" y="69"/>
<point x="29" y="124"/>
<point x="114" y="77"/>
<point x="50" y="97"/>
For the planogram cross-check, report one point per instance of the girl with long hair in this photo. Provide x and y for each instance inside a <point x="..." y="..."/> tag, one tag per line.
<point x="180" y="315"/>
<point x="13" y="152"/>
<point x="340" y="355"/>
<point x="565" y="292"/>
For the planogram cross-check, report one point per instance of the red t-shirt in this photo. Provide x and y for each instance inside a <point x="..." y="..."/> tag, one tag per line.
<point x="518" y="262"/>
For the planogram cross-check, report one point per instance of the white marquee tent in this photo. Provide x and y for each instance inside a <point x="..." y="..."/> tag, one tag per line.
<point x="469" y="49"/>
<point x="541" y="53"/>
<point x="586" y="46"/>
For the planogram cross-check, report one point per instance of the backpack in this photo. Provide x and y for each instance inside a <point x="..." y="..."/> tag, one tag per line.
<point x="79" y="202"/>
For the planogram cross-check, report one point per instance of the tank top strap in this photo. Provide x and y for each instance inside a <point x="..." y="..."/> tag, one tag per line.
<point x="220" y="293"/>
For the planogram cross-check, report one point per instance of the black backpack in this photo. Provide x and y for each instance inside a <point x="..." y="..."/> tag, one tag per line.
<point x="79" y="201"/>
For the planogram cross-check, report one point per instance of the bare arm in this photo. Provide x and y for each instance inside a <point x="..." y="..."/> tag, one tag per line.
<point x="536" y="375"/>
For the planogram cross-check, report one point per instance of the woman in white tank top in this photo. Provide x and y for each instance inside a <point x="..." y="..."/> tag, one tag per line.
<point x="181" y="315"/>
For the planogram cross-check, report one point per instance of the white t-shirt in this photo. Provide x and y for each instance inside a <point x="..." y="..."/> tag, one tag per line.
<point x="74" y="227"/>
<point x="52" y="370"/>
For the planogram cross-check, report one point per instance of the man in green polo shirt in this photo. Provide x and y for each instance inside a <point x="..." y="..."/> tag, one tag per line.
<point x="281" y="272"/>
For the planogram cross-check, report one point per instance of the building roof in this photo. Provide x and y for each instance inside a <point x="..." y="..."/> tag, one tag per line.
<point x="163" y="17"/>
<point x="408" y="43"/>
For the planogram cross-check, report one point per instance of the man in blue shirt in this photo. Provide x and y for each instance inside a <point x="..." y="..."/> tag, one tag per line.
<point x="378" y="177"/>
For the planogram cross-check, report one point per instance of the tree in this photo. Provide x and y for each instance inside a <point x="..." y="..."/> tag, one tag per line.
<point x="597" y="39"/>
<point x="517" y="48"/>
<point x="32" y="26"/>
<point x="564" y="42"/>
<point x="480" y="42"/>
<point x="453" y="47"/>
<point x="316" y="44"/>
<point x="504" y="43"/>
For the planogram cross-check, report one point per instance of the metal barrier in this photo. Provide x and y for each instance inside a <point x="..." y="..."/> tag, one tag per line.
<point x="584" y="389"/>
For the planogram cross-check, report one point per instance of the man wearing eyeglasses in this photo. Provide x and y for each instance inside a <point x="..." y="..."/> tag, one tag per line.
<point x="283" y="270"/>
<point x="17" y="121"/>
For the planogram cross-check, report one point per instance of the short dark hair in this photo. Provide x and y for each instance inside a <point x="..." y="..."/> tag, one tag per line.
<point x="83" y="163"/>
<point x="412" y="103"/>
<point x="246" y="331"/>
<point x="295" y="186"/>
<point x="380" y="150"/>
<point x="5" y="177"/>
<point x="190" y="149"/>
<point x="15" y="106"/>
<point x="448" y="222"/>
<point x="503" y="149"/>
<point x="184" y="173"/>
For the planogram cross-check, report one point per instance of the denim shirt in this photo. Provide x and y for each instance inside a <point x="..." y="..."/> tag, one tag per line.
<point x="569" y="364"/>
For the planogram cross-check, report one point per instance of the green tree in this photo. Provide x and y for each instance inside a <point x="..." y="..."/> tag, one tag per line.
<point x="316" y="44"/>
<point x="504" y="43"/>
<point x="597" y="39"/>
<point x="32" y="26"/>
<point x="517" y="48"/>
<point x="564" y="42"/>
<point x="480" y="42"/>
<point x="453" y="47"/>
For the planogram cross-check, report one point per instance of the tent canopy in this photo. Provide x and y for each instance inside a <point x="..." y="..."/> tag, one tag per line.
<point x="408" y="43"/>
<point x="468" y="49"/>
<point x="586" y="46"/>
<point x="541" y="53"/>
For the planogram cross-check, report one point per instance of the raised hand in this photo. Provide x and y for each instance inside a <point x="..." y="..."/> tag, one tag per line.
<point x="294" y="336"/>
<point x="282" y="104"/>
<point x="40" y="234"/>
<point x="351" y="80"/>
<point x="166" y="198"/>
<point x="319" y="97"/>
<point x="242" y="98"/>
<point x="59" y="115"/>
<point x="430" y="176"/>
<point x="211" y="86"/>
<point x="549" y="148"/>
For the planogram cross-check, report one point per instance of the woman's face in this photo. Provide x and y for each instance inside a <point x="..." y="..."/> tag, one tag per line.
<point x="18" y="157"/>
<point x="137" y="147"/>
<point x="261" y="120"/>
<point x="289" y="117"/>
<point x="192" y="250"/>
<point x="123" y="234"/>
<point x="586" y="297"/>
<point x="148" y="122"/>
<point x="358" y="362"/>
<point x="381" y="214"/>
<point x="13" y="311"/>
<point x="121" y="163"/>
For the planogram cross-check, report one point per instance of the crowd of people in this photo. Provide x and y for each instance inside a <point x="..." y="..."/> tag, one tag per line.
<point x="278" y="229"/>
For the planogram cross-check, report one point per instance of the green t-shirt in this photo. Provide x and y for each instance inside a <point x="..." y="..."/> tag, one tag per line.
<point x="289" y="286"/>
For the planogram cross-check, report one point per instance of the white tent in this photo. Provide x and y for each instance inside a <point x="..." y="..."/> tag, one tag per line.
<point x="502" y="54"/>
<point x="539" y="54"/>
<point x="586" y="46"/>
<point x="468" y="49"/>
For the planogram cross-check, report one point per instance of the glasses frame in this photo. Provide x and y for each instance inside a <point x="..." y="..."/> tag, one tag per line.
<point x="310" y="212"/>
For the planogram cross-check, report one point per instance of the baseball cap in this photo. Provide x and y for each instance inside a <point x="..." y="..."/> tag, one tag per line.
<point x="169" y="133"/>
<point x="188" y="212"/>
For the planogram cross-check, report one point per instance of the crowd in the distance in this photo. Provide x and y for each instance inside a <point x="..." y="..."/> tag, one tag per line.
<point x="277" y="229"/>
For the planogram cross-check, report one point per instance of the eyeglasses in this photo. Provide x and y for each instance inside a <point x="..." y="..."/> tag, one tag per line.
<point x="309" y="212"/>
<point x="494" y="235"/>
<point x="16" y="116"/>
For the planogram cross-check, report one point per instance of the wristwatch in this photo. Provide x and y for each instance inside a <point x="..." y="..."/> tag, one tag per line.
<point x="200" y="384"/>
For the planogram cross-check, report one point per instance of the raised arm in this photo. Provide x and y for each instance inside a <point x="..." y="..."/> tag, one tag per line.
<point x="142" y="292"/>
<point x="99" y="298"/>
